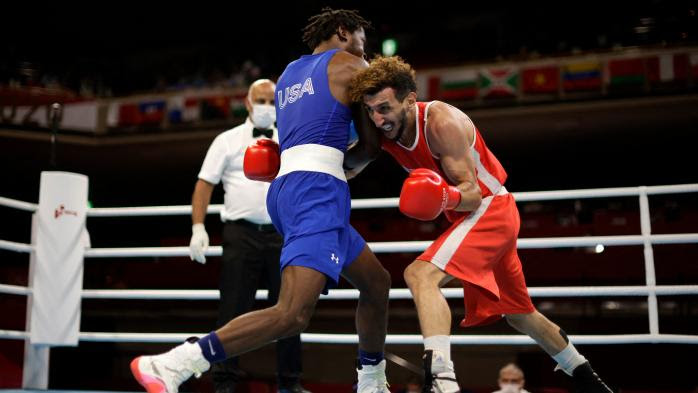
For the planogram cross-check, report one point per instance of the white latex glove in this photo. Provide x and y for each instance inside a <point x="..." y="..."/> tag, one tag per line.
<point x="199" y="243"/>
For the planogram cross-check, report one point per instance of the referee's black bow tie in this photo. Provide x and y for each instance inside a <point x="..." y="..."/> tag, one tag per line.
<point x="267" y="133"/>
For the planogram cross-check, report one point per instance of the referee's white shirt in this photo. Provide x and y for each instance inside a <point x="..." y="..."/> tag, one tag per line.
<point x="244" y="198"/>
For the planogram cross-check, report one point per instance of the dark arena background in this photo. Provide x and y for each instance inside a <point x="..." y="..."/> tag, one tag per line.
<point x="568" y="95"/>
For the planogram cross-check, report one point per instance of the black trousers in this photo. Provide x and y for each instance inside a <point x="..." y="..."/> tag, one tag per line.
<point x="251" y="257"/>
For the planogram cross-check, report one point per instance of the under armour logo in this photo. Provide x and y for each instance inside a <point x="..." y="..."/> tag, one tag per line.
<point x="335" y="259"/>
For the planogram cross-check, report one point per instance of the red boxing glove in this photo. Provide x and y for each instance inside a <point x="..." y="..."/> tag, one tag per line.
<point x="262" y="160"/>
<point x="425" y="194"/>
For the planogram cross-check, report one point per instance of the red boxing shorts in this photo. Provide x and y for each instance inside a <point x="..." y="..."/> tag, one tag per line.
<point x="480" y="250"/>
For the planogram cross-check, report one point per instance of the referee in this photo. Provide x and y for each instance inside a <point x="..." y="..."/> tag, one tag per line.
<point x="251" y="245"/>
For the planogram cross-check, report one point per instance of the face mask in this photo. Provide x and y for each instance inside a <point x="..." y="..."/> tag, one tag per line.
<point x="263" y="116"/>
<point x="509" y="388"/>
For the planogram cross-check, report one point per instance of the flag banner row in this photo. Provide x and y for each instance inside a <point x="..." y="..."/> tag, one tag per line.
<point x="632" y="73"/>
<point x="177" y="109"/>
<point x="639" y="72"/>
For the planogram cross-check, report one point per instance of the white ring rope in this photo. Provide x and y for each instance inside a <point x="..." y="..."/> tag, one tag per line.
<point x="19" y="205"/>
<point x="14" y="246"/>
<point x="372" y="203"/>
<point x="387" y="247"/>
<point x="352" y="294"/>
<point x="14" y="289"/>
<point x="322" y="338"/>
<point x="416" y="246"/>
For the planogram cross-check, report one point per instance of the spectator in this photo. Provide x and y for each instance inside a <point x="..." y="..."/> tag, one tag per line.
<point x="511" y="380"/>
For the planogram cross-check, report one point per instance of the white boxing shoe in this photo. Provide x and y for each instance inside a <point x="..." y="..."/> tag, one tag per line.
<point x="165" y="372"/>
<point x="372" y="379"/>
<point x="439" y="376"/>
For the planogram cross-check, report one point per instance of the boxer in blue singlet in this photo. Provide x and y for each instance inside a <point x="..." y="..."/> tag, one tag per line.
<point x="309" y="204"/>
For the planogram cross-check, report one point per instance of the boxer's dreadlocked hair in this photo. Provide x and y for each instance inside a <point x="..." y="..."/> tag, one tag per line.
<point x="383" y="72"/>
<point x="325" y="24"/>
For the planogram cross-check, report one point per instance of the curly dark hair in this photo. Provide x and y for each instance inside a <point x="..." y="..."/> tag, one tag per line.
<point x="383" y="72"/>
<point x="322" y="26"/>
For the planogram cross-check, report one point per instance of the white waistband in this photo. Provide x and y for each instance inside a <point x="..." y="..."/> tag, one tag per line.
<point x="313" y="158"/>
<point x="502" y="191"/>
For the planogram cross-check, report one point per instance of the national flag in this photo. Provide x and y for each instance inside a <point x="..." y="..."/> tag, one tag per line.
<point x="175" y="107"/>
<point x="457" y="84"/>
<point x="626" y="72"/>
<point x="148" y="112"/>
<point x="668" y="67"/>
<point x="183" y="109"/>
<point x="217" y="107"/>
<point x="583" y="75"/>
<point x="694" y="66"/>
<point x="113" y="115"/>
<point x="237" y="105"/>
<point x="129" y="115"/>
<point x="540" y="80"/>
<point x="499" y="82"/>
<point x="151" y="112"/>
<point x="192" y="109"/>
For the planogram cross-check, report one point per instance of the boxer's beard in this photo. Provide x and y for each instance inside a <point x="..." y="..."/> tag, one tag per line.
<point x="401" y="130"/>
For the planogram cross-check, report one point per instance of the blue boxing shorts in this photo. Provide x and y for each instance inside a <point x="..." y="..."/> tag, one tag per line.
<point x="311" y="211"/>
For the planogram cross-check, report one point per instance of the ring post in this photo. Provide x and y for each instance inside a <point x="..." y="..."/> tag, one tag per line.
<point x="55" y="272"/>
<point x="650" y="277"/>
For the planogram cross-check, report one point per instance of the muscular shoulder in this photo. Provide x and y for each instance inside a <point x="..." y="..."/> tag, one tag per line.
<point x="339" y="73"/>
<point x="448" y="126"/>
<point x="343" y="65"/>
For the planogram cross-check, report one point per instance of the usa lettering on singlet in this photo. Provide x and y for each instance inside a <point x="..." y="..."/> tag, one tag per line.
<point x="306" y="110"/>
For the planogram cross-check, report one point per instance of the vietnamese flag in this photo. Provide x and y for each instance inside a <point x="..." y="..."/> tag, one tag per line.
<point x="541" y="80"/>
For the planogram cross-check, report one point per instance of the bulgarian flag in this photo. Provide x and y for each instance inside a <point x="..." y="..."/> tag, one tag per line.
<point x="456" y="84"/>
<point x="499" y="82"/>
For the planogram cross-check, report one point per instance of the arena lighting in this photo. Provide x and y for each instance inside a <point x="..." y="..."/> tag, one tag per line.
<point x="599" y="248"/>
<point x="389" y="47"/>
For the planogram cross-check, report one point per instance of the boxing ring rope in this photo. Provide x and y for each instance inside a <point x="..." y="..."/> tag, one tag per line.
<point x="410" y="339"/>
<point x="651" y="290"/>
<point x="387" y="247"/>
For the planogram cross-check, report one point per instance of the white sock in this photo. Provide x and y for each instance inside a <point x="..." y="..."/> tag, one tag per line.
<point x="568" y="359"/>
<point x="439" y="343"/>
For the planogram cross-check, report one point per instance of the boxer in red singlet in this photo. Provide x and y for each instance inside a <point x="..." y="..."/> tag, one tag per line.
<point x="451" y="170"/>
